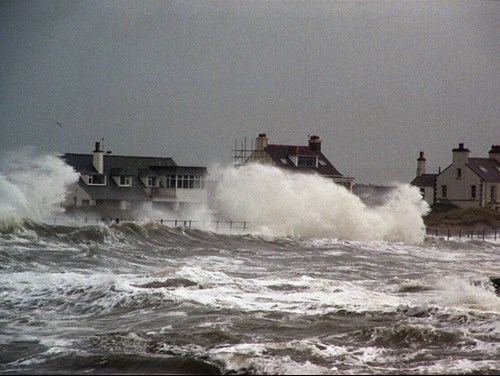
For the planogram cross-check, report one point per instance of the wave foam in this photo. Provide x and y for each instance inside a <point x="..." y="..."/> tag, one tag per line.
<point x="290" y="204"/>
<point x="32" y="186"/>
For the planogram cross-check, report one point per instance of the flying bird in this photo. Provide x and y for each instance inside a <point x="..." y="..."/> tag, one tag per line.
<point x="59" y="124"/>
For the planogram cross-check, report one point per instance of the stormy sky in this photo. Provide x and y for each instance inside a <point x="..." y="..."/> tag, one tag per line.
<point x="378" y="81"/>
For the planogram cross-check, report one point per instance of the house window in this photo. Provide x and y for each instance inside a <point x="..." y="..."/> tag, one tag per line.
<point x="152" y="181"/>
<point x="493" y="192"/>
<point x="85" y="202"/>
<point x="473" y="191"/>
<point x="171" y="181"/>
<point x="96" y="180"/>
<point x="306" y="161"/>
<point x="444" y="191"/>
<point x="459" y="173"/>
<point x="422" y="192"/>
<point x="190" y="182"/>
<point x="125" y="181"/>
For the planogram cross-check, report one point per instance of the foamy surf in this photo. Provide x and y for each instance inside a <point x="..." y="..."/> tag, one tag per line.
<point x="336" y="288"/>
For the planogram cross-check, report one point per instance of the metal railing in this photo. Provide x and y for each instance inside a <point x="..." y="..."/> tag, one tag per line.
<point x="483" y="234"/>
<point x="208" y="224"/>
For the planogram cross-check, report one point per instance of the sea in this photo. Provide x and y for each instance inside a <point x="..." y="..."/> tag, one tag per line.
<point x="317" y="282"/>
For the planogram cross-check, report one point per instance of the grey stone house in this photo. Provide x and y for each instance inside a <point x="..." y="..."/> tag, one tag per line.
<point x="116" y="182"/>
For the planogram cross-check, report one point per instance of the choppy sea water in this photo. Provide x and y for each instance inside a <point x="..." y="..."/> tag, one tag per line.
<point x="145" y="298"/>
<point x="318" y="283"/>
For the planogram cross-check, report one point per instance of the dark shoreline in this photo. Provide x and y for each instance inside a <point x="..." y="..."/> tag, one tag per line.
<point x="465" y="220"/>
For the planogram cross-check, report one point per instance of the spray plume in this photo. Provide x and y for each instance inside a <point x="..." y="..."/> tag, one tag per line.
<point x="291" y="204"/>
<point x="32" y="186"/>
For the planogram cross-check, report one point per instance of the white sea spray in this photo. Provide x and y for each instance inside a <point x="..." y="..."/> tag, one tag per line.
<point x="293" y="204"/>
<point x="32" y="186"/>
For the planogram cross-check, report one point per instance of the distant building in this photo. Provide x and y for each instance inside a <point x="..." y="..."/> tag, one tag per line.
<point x="299" y="158"/>
<point x="425" y="182"/>
<point x="466" y="182"/>
<point x="134" y="183"/>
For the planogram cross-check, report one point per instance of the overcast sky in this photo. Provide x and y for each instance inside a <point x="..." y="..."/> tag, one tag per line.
<point x="378" y="81"/>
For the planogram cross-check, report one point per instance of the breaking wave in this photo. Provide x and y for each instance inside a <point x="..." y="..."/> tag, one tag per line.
<point x="290" y="204"/>
<point x="32" y="186"/>
<point x="273" y="202"/>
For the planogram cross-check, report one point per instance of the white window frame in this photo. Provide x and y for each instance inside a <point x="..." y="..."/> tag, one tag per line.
<point x="90" y="179"/>
<point x="125" y="181"/>
<point x="152" y="181"/>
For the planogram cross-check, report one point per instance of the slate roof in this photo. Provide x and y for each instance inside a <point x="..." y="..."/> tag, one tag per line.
<point x="121" y="165"/>
<point x="487" y="169"/>
<point x="280" y="155"/>
<point x="113" y="192"/>
<point x="424" y="180"/>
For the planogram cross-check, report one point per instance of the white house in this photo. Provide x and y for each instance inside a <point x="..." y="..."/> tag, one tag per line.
<point x="466" y="182"/>
<point x="425" y="182"/>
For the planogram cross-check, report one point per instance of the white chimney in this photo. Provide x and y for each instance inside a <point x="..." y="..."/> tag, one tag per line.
<point x="98" y="159"/>
<point x="460" y="155"/>
<point x="421" y="164"/>
<point x="261" y="142"/>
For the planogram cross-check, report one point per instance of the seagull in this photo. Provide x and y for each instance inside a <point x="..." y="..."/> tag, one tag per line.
<point x="59" y="124"/>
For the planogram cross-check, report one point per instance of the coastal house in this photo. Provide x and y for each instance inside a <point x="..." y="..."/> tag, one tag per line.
<point x="116" y="182"/>
<point x="466" y="182"/>
<point x="298" y="158"/>
<point x="424" y="181"/>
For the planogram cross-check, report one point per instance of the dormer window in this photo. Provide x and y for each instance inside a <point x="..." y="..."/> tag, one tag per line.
<point x="307" y="161"/>
<point x="125" y="181"/>
<point x="96" y="180"/>
<point x="153" y="181"/>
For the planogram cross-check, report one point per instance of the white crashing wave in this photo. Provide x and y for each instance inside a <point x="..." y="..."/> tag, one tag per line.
<point x="290" y="204"/>
<point x="32" y="186"/>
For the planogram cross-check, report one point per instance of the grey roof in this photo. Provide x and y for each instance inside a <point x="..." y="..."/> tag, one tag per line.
<point x="121" y="165"/>
<point x="281" y="153"/>
<point x="424" y="180"/>
<point x="487" y="169"/>
<point x="113" y="192"/>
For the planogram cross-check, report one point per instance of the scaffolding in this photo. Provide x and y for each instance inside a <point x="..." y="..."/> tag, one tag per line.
<point x="242" y="153"/>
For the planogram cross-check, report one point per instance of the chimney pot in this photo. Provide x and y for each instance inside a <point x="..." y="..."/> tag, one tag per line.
<point x="98" y="158"/>
<point x="315" y="143"/>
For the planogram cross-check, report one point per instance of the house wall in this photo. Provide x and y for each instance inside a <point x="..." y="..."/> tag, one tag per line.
<point x="428" y="194"/>
<point x="490" y="201"/>
<point x="76" y="196"/>
<point x="260" y="156"/>
<point x="459" y="188"/>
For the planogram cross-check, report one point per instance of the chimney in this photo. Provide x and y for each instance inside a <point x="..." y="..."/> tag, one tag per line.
<point x="315" y="144"/>
<point x="261" y="142"/>
<point x="421" y="164"/>
<point x="98" y="159"/>
<point x="460" y="155"/>
<point x="494" y="153"/>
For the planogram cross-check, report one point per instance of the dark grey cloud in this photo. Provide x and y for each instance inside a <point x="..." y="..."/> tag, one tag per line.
<point x="378" y="81"/>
